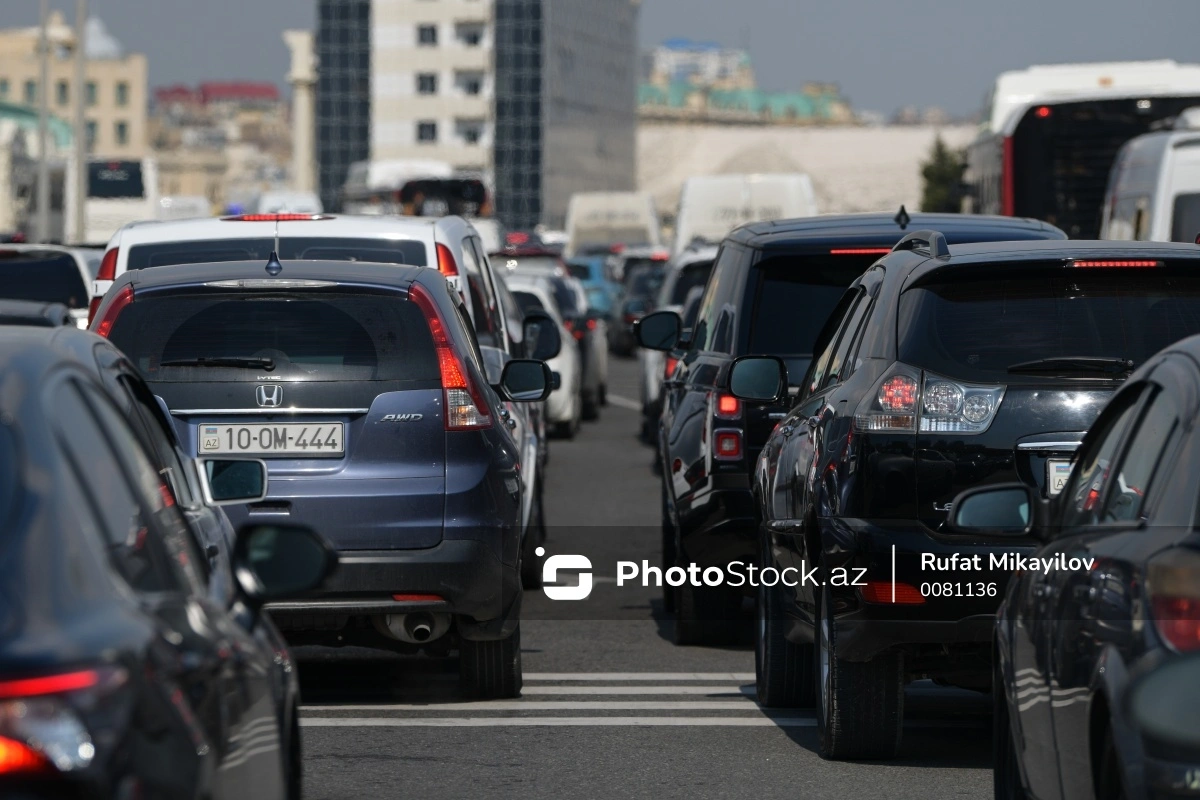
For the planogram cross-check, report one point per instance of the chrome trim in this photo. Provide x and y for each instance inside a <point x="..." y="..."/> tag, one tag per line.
<point x="1048" y="445"/>
<point x="268" y="411"/>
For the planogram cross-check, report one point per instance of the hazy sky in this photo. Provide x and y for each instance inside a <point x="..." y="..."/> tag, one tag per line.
<point x="884" y="53"/>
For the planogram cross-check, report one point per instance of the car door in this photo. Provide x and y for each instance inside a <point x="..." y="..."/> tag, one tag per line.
<point x="1094" y="608"/>
<point x="216" y="666"/>
<point x="1034" y="595"/>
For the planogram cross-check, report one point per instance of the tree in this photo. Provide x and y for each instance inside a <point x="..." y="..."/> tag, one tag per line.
<point x="942" y="175"/>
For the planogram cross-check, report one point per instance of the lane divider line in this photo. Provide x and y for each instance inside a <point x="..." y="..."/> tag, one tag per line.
<point x="639" y="676"/>
<point x="733" y="704"/>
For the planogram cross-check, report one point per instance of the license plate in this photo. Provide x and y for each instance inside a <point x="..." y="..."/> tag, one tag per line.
<point x="1057" y="472"/>
<point x="279" y="439"/>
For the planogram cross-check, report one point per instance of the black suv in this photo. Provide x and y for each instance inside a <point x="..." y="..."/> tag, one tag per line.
<point x="941" y="369"/>
<point x="772" y="287"/>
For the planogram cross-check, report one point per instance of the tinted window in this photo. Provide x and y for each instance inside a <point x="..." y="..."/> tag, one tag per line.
<point x="581" y="271"/>
<point x="1139" y="466"/>
<point x="1090" y="475"/>
<point x="312" y="248"/>
<point x="570" y="304"/>
<point x="1185" y="218"/>
<point x="46" y="277"/>
<point x="115" y="179"/>
<point x="976" y="327"/>
<point x="690" y="277"/>
<point x="644" y="281"/>
<point x="528" y="302"/>
<point x="328" y="337"/>
<point x="8" y="473"/>
<point x="795" y="296"/>
<point x="847" y="337"/>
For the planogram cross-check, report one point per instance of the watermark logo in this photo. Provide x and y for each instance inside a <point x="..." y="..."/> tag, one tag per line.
<point x="572" y="562"/>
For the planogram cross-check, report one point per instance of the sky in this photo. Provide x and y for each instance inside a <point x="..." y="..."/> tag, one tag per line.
<point x="885" y="54"/>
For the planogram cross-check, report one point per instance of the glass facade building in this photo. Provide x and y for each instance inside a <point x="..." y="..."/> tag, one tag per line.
<point x="343" y="92"/>
<point x="566" y="118"/>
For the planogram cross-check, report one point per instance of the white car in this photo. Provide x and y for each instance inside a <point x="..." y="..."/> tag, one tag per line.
<point x="564" y="407"/>
<point x="49" y="274"/>
<point x="687" y="271"/>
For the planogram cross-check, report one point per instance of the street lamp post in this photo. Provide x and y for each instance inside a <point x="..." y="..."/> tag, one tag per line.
<point x="80" y="143"/>
<point x="43" y="176"/>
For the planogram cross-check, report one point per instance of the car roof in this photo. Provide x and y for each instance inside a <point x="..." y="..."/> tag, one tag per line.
<point x="395" y="275"/>
<point x="882" y="228"/>
<point x="332" y="225"/>
<point x="36" y="313"/>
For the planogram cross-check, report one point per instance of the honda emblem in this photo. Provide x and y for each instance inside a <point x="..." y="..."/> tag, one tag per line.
<point x="269" y="395"/>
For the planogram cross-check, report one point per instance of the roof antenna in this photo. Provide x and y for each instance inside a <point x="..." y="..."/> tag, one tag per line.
<point x="273" y="265"/>
<point x="902" y="218"/>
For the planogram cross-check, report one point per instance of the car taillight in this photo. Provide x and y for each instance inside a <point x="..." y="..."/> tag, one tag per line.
<point x="1173" y="582"/>
<point x="282" y="217"/>
<point x="953" y="407"/>
<point x="727" y="444"/>
<point x="728" y="407"/>
<point x="893" y="406"/>
<point x="445" y="261"/>
<point x="40" y="727"/>
<point x="466" y="408"/>
<point x="1116" y="263"/>
<point x="106" y="272"/>
<point x="103" y="326"/>
<point x="592" y="324"/>
<point x="669" y="367"/>
<point x="891" y="592"/>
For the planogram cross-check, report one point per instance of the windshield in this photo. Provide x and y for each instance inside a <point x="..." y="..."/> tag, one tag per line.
<point x="115" y="179"/>
<point x="979" y="327"/>
<point x="305" y="336"/>
<point x="383" y="251"/>
<point x="46" y="277"/>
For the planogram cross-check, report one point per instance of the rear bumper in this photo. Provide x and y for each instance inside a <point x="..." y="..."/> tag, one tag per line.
<point x="470" y="579"/>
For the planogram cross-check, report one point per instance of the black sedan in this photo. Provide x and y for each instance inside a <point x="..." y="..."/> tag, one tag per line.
<point x="120" y="676"/>
<point x="1113" y="590"/>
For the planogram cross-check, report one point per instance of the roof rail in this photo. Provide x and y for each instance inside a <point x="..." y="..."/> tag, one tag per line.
<point x="932" y="241"/>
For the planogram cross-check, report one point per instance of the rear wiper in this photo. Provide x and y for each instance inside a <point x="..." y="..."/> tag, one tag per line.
<point x="222" y="361"/>
<point x="1098" y="364"/>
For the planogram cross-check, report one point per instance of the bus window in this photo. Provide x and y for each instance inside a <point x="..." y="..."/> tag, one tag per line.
<point x="115" y="179"/>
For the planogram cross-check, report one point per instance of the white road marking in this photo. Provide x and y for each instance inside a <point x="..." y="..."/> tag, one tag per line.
<point x="639" y="676"/>
<point x="505" y="722"/>
<point x="721" y="691"/>
<point x="732" y="704"/>
<point x="624" y="402"/>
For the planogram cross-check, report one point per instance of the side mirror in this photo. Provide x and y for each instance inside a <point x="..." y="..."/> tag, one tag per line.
<point x="225" y="481"/>
<point x="526" y="380"/>
<point x="1002" y="509"/>
<point x="277" y="562"/>
<point x="542" y="339"/>
<point x="658" y="331"/>
<point x="758" y="378"/>
<point x="1165" y="702"/>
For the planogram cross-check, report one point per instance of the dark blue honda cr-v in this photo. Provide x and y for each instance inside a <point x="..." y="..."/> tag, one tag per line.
<point x="363" y="387"/>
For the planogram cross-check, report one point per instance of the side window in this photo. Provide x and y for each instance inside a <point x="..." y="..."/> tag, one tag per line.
<point x="846" y="339"/>
<point x="160" y="442"/>
<point x="1091" y="473"/>
<point x="1139" y="465"/>
<point x="493" y="293"/>
<point x="477" y="296"/>
<point x="707" y="315"/>
<point x="137" y="551"/>
<point x="827" y="343"/>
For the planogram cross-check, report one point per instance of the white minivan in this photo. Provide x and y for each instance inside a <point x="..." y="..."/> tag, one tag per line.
<point x="1154" y="189"/>
<point x="710" y="206"/>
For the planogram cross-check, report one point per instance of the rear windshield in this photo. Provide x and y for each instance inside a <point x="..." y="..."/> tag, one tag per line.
<point x="795" y="295"/>
<point x="689" y="278"/>
<point x="644" y="280"/>
<point x="976" y="327"/>
<point x="528" y="302"/>
<point x="568" y="300"/>
<point x="308" y="336"/>
<point x="1185" y="218"/>
<point x="382" y="251"/>
<point x="581" y="271"/>
<point x="47" y="277"/>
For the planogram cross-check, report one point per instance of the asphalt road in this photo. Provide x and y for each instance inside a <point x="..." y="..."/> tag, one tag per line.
<point x="610" y="707"/>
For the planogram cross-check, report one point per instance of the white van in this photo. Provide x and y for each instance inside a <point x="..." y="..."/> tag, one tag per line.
<point x="1154" y="189"/>
<point x="598" y="220"/>
<point x="283" y="201"/>
<point x="710" y="206"/>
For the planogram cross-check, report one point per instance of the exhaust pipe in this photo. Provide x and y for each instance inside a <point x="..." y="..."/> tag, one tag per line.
<point x="419" y="627"/>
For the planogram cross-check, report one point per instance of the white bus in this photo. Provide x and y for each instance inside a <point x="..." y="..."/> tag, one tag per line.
<point x="118" y="192"/>
<point x="1051" y="133"/>
<point x="710" y="206"/>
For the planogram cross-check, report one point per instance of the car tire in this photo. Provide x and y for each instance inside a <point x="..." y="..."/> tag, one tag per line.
<point x="491" y="670"/>
<point x="590" y="407"/>
<point x="783" y="669"/>
<point x="860" y="705"/>
<point x="602" y="394"/>
<point x="568" y="429"/>
<point x="668" y="554"/>
<point x="1006" y="774"/>
<point x="535" y="536"/>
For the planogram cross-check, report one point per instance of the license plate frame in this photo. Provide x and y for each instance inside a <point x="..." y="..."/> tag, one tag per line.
<point x="214" y="438"/>
<point x="1058" y="471"/>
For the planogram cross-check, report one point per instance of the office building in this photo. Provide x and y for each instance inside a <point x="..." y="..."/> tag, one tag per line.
<point x="343" y="92"/>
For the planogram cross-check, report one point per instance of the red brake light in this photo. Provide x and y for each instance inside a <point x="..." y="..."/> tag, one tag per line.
<point x="898" y="393"/>
<point x="104" y="325"/>
<point x="860" y="251"/>
<point x="446" y="263"/>
<point x="1043" y="112"/>
<point x="418" y="598"/>
<point x="672" y="362"/>
<point x="1117" y="263"/>
<point x="887" y="592"/>
<point x="49" y="684"/>
<point x="516" y="238"/>
<point x="579" y="333"/>
<point x="591" y="324"/>
<point x="1178" y="621"/>
<point x="17" y="757"/>
<point x="727" y="445"/>
<point x="466" y="408"/>
<point x="108" y="265"/>
<point x="660" y="255"/>
<point x="728" y="406"/>
<point x="617" y="249"/>
<point x="93" y="307"/>
<point x="275" y="217"/>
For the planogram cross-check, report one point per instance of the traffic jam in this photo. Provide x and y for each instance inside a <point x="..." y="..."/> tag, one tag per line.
<point x="274" y="483"/>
